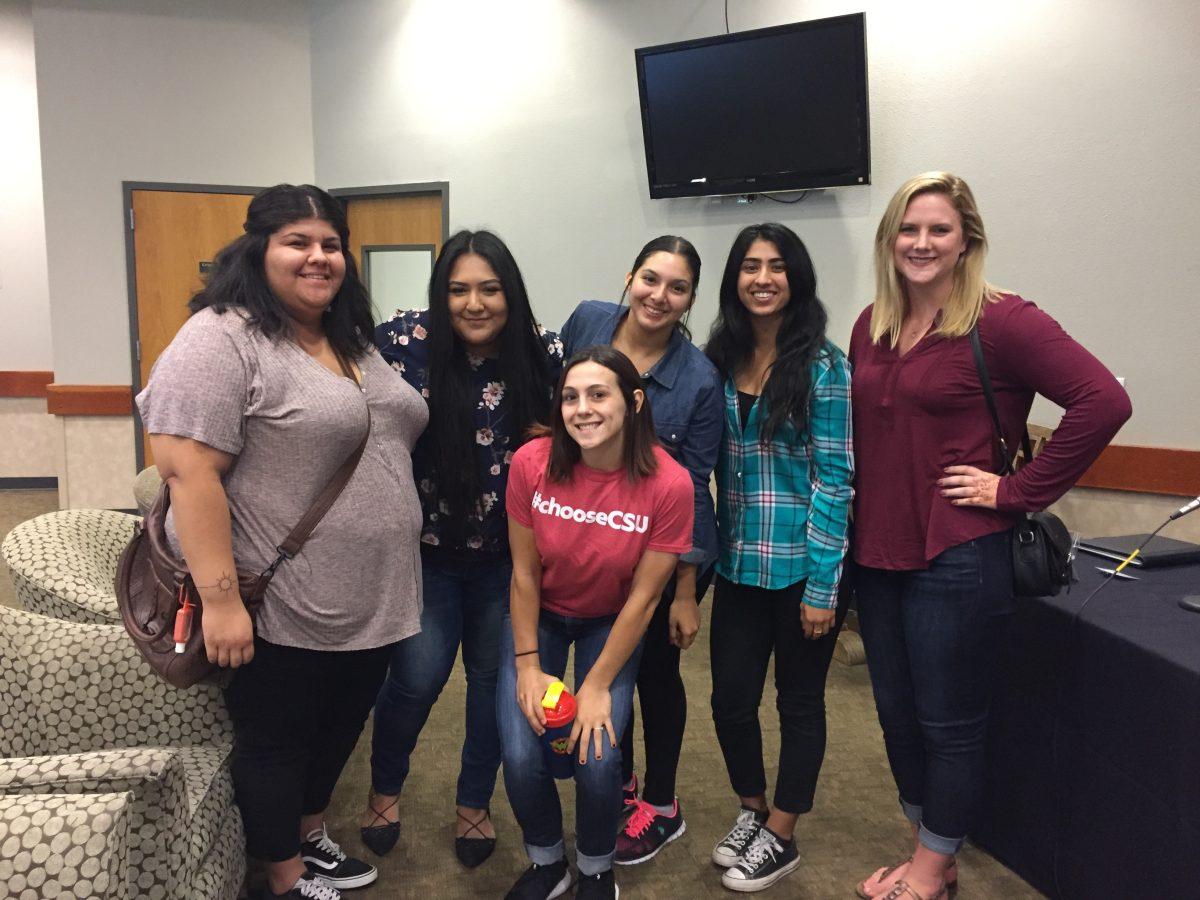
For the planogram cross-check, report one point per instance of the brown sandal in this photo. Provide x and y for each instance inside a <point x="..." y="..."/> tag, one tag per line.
<point x="880" y="878"/>
<point x="902" y="891"/>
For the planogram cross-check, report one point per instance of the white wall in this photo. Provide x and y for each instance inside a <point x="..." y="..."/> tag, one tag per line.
<point x="24" y="293"/>
<point x="1075" y="122"/>
<point x="206" y="91"/>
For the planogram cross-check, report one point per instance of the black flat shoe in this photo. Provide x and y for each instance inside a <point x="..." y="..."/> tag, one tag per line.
<point x="471" y="851"/>
<point x="380" y="839"/>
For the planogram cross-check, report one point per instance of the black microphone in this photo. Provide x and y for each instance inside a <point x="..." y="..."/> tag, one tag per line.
<point x="1185" y="509"/>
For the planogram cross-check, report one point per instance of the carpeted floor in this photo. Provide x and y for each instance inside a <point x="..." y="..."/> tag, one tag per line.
<point x="855" y="827"/>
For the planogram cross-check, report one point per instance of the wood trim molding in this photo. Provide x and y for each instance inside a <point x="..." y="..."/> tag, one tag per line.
<point x="90" y="399"/>
<point x="1154" y="470"/>
<point x="24" y="384"/>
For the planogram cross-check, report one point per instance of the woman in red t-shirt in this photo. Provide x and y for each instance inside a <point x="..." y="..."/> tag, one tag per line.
<point x="598" y="516"/>
<point x="932" y="522"/>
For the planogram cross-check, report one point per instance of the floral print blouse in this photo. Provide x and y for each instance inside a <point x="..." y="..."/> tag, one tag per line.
<point x="403" y="342"/>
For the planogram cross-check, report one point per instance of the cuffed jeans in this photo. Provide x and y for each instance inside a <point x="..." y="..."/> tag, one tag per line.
<point x="748" y="625"/>
<point x="463" y="604"/>
<point x="531" y="788"/>
<point x="932" y="638"/>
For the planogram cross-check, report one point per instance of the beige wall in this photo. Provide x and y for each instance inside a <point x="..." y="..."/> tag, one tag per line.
<point x="96" y="464"/>
<point x="1095" y="513"/>
<point x="29" y="439"/>
<point x="139" y="90"/>
<point x="1074" y="121"/>
<point x="24" y="293"/>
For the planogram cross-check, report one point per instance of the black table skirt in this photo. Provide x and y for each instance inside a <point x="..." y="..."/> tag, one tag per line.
<point x="1094" y="746"/>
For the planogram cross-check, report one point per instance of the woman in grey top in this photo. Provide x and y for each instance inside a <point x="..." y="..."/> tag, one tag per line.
<point x="257" y="401"/>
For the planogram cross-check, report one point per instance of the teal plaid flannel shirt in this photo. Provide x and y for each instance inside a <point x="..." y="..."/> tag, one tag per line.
<point x="783" y="512"/>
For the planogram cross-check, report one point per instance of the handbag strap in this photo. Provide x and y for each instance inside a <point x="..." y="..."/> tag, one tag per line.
<point x="990" y="397"/>
<point x="292" y="544"/>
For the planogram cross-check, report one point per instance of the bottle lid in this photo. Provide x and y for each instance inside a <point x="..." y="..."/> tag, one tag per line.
<point x="562" y="711"/>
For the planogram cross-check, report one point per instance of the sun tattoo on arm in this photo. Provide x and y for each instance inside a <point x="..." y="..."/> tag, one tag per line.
<point x="225" y="583"/>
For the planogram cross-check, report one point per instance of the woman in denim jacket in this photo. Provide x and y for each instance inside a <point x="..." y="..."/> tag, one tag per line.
<point x="685" y="394"/>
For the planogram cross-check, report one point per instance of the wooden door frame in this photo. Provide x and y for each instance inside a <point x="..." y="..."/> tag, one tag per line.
<point x="135" y="363"/>
<point x="441" y="188"/>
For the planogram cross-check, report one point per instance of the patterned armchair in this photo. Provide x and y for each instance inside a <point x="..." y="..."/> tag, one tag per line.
<point x="81" y="712"/>
<point x="65" y="845"/>
<point x="63" y="563"/>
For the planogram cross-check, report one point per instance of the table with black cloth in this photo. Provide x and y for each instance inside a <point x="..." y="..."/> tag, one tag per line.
<point x="1094" y="745"/>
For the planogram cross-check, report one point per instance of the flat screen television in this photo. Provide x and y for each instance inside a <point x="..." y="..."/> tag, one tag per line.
<point x="775" y="109"/>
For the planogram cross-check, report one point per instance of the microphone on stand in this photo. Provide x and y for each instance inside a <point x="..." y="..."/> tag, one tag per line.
<point x="1185" y="509"/>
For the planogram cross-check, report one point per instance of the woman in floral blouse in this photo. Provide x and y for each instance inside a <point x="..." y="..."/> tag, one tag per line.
<point x="487" y="370"/>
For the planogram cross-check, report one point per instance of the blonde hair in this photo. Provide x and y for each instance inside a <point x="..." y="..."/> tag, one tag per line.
<point x="969" y="291"/>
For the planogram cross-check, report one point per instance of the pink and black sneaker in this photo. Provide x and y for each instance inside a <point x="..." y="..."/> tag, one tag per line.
<point x="647" y="832"/>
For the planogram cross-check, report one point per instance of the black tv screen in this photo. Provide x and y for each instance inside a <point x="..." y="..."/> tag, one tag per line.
<point x="775" y="109"/>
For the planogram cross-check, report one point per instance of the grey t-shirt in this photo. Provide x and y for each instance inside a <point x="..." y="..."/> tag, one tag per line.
<point x="290" y="422"/>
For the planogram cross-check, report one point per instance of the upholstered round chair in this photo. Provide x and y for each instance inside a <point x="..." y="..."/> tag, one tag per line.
<point x="63" y="563"/>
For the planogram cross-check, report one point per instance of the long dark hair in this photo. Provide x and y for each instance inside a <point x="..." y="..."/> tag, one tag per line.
<point x="640" y="440"/>
<point x="524" y="368"/>
<point x="239" y="280"/>
<point x="801" y="337"/>
<point x="671" y="243"/>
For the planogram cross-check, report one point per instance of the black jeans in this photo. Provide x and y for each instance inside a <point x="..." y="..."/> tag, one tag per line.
<point x="932" y="638"/>
<point x="748" y="624"/>
<point x="663" y="702"/>
<point x="297" y="715"/>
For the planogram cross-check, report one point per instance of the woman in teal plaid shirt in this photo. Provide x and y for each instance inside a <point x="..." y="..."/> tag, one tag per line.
<point x="783" y="500"/>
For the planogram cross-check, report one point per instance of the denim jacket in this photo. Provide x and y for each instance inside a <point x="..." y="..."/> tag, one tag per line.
<point x="688" y="404"/>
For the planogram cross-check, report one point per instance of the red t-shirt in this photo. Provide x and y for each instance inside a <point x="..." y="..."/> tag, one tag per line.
<point x="592" y="531"/>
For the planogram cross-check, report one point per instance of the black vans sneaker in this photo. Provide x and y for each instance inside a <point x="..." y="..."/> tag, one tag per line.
<point x="597" y="887"/>
<point x="541" y="882"/>
<point x="766" y="860"/>
<point x="307" y="887"/>
<point x="734" y="844"/>
<point x="329" y="862"/>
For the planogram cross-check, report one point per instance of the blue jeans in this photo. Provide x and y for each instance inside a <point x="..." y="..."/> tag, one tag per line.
<point x="932" y="638"/>
<point x="463" y="603"/>
<point x="531" y="789"/>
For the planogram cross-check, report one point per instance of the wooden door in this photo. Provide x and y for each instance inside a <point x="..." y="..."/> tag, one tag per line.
<point x="409" y="220"/>
<point x="175" y="235"/>
<point x="396" y="219"/>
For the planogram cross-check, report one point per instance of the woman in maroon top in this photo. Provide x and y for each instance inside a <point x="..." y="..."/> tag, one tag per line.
<point x="932" y="521"/>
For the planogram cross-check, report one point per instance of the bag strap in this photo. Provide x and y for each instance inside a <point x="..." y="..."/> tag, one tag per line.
<point x="292" y="544"/>
<point x="990" y="397"/>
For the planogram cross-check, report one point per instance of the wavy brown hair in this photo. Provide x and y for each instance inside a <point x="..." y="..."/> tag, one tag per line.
<point x="637" y="430"/>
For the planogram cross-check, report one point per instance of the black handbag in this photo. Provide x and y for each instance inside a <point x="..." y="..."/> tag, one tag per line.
<point x="1043" y="552"/>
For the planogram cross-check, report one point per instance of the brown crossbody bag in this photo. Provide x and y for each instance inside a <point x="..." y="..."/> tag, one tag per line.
<point x="154" y="586"/>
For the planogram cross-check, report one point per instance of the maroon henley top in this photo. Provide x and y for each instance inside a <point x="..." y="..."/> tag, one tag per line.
<point x="918" y="413"/>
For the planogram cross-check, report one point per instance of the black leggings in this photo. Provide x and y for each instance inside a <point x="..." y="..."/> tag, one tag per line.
<point x="297" y="715"/>
<point x="748" y="625"/>
<point x="663" y="702"/>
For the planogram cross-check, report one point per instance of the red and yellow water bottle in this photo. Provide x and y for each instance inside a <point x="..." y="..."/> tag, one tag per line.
<point x="559" y="706"/>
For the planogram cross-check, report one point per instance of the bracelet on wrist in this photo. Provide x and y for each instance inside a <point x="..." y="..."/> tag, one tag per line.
<point x="526" y="653"/>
